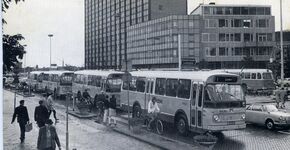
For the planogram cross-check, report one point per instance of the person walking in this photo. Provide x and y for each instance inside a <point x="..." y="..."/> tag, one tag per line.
<point x="22" y="118"/>
<point x="106" y="109"/>
<point x="112" y="110"/>
<point x="283" y="97"/>
<point x="40" y="114"/>
<point x="277" y="97"/>
<point x="50" y="106"/>
<point x="47" y="137"/>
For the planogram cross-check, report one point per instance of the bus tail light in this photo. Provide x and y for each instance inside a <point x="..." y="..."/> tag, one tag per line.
<point x="216" y="118"/>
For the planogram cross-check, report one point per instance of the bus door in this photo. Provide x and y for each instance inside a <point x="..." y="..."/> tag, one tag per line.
<point x="199" y="105"/>
<point x="193" y="107"/>
<point x="148" y="92"/>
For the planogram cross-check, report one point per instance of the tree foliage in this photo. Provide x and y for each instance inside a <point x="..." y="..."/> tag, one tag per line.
<point x="248" y="62"/>
<point x="12" y="51"/>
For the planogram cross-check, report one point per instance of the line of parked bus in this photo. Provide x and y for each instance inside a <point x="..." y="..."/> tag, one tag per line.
<point x="191" y="100"/>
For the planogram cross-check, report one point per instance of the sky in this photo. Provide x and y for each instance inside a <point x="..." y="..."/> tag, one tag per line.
<point x="35" y="19"/>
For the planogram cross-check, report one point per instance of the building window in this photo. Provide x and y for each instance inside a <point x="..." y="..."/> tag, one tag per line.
<point x="212" y="51"/>
<point x="223" y="51"/>
<point x="160" y="7"/>
<point x="236" y="10"/>
<point x="205" y="37"/>
<point x="223" y="23"/>
<point x="237" y="37"/>
<point x="247" y="23"/>
<point x="262" y="23"/>
<point x="263" y="37"/>
<point x="248" y="37"/>
<point x="210" y="23"/>
<point x="206" y="10"/>
<point x="237" y="23"/>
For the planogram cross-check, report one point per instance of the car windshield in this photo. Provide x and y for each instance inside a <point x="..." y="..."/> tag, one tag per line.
<point x="224" y="92"/>
<point x="271" y="108"/>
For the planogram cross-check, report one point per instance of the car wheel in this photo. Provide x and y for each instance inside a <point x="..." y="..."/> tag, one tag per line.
<point x="181" y="125"/>
<point x="270" y="124"/>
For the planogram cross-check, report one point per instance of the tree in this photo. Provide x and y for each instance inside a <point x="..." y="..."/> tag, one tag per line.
<point x="12" y="49"/>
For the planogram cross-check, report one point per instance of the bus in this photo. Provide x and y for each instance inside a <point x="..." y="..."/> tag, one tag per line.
<point x="34" y="80"/>
<point x="254" y="80"/>
<point x="191" y="100"/>
<point x="58" y="82"/>
<point x="97" y="81"/>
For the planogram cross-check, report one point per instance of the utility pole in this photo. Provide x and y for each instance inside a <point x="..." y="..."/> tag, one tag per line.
<point x="50" y="36"/>
<point x="281" y="43"/>
<point x="179" y="52"/>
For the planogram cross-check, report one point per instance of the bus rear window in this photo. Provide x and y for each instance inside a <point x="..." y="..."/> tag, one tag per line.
<point x="267" y="76"/>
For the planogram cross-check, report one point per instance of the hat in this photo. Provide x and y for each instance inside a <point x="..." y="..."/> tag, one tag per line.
<point x="49" y="121"/>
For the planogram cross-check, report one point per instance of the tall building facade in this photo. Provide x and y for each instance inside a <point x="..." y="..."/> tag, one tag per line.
<point x="233" y="34"/>
<point x="106" y="23"/>
<point x="158" y="43"/>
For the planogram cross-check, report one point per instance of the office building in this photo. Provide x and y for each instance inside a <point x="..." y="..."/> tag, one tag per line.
<point x="106" y="23"/>
<point x="229" y="33"/>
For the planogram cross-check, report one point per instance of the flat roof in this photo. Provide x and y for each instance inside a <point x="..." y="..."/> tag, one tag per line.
<point x="98" y="72"/>
<point x="244" y="70"/>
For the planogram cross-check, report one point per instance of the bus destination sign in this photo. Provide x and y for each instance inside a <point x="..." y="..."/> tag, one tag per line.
<point x="225" y="79"/>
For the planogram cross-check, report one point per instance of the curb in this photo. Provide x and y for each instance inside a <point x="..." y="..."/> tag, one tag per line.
<point x="138" y="138"/>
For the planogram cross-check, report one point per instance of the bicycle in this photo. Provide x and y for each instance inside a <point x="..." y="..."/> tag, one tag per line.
<point x="157" y="124"/>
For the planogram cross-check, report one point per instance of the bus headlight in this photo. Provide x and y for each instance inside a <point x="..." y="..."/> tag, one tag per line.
<point x="243" y="116"/>
<point x="216" y="118"/>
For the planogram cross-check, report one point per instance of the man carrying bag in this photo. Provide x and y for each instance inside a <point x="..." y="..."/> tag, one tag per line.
<point x="22" y="118"/>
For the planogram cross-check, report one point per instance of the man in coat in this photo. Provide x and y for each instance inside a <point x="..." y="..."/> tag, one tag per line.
<point x="22" y="118"/>
<point x="47" y="137"/>
<point x="40" y="114"/>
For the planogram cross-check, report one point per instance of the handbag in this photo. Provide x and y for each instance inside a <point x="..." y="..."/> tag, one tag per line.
<point x="28" y="127"/>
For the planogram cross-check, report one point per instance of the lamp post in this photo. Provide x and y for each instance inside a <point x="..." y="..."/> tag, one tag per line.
<point x="281" y="43"/>
<point x="50" y="36"/>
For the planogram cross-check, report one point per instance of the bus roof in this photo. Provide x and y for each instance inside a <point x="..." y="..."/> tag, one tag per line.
<point x="98" y="72"/>
<point x="57" y="72"/>
<point x="197" y="75"/>
<point x="36" y="72"/>
<point x="243" y="70"/>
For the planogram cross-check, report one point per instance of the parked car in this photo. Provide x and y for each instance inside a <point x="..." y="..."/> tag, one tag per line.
<point x="285" y="83"/>
<point x="268" y="115"/>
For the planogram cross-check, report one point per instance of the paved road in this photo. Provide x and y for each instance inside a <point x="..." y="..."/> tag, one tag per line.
<point x="84" y="134"/>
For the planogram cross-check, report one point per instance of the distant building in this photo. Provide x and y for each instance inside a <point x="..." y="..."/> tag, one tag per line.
<point x="154" y="44"/>
<point x="106" y="23"/>
<point x="231" y="32"/>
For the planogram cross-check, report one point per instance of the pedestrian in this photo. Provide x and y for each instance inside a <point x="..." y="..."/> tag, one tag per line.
<point x="50" y="106"/>
<point x="106" y="109"/>
<point x="47" y="137"/>
<point x="22" y="118"/>
<point x="277" y="98"/>
<point x="112" y="110"/>
<point x="40" y="114"/>
<point x="284" y="97"/>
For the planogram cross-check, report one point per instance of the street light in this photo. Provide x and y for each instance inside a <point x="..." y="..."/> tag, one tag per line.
<point x="281" y="44"/>
<point x="50" y="36"/>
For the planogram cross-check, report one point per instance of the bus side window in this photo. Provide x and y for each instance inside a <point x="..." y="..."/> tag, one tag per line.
<point x="140" y="85"/>
<point x="194" y="90"/>
<point x="151" y="89"/>
<point x="160" y="86"/>
<point x="147" y="86"/>
<point x="171" y="87"/>
<point x="259" y="76"/>
<point x="200" y="95"/>
<point x="132" y="85"/>
<point x="184" y="88"/>
<point x="247" y="75"/>
<point x="253" y="75"/>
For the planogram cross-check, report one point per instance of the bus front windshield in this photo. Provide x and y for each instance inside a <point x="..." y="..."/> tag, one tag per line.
<point x="66" y="79"/>
<point x="223" y="93"/>
<point x="113" y="85"/>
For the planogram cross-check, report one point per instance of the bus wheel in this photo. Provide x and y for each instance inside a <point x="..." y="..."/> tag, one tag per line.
<point x="136" y="111"/>
<point x="181" y="125"/>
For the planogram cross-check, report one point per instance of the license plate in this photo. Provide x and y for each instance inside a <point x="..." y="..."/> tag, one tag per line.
<point x="231" y="123"/>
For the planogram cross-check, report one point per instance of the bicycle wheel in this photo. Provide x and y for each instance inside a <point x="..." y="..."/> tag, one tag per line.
<point x="159" y="127"/>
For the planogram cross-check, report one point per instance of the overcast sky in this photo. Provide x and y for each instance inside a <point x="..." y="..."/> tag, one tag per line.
<point x="35" y="19"/>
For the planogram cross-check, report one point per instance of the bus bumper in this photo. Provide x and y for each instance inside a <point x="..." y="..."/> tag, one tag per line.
<point x="225" y="127"/>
